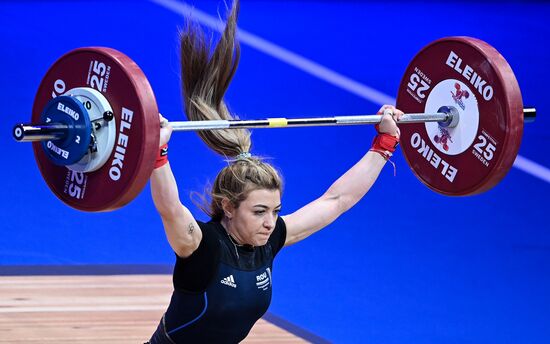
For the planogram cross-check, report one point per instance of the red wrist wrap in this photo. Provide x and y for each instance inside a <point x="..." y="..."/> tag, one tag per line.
<point x="384" y="144"/>
<point x="162" y="158"/>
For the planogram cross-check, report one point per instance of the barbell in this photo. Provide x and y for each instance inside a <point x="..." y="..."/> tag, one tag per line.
<point x="95" y="123"/>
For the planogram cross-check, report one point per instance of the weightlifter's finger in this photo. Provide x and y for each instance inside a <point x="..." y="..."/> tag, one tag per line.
<point x="163" y="121"/>
<point x="397" y="114"/>
<point x="394" y="113"/>
<point x="384" y="108"/>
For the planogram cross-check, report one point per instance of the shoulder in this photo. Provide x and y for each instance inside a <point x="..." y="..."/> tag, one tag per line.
<point x="193" y="273"/>
<point x="210" y="242"/>
<point x="211" y="230"/>
<point x="210" y="225"/>
<point x="278" y="237"/>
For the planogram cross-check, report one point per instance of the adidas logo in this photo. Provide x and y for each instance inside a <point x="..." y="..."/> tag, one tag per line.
<point x="230" y="281"/>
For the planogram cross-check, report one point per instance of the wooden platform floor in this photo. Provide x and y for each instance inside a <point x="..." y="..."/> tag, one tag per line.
<point x="95" y="309"/>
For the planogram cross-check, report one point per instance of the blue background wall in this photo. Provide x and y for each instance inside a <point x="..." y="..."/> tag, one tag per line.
<point x="404" y="265"/>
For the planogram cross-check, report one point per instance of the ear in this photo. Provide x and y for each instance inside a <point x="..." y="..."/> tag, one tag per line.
<point x="228" y="208"/>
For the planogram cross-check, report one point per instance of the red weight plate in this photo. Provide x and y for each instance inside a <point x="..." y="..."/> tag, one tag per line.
<point x="130" y="165"/>
<point x="473" y="77"/>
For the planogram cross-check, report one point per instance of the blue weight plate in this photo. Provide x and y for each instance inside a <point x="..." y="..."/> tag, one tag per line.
<point x="73" y="147"/>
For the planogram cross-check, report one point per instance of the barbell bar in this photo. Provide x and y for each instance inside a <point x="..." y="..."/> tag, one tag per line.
<point x="56" y="131"/>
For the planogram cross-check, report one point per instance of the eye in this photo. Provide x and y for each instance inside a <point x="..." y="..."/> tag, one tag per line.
<point x="259" y="212"/>
<point x="277" y="211"/>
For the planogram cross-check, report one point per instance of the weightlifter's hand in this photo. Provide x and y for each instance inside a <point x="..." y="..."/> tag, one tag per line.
<point x="387" y="139"/>
<point x="165" y="131"/>
<point x="390" y="117"/>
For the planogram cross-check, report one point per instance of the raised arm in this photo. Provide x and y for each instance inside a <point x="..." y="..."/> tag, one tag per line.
<point x="345" y="192"/>
<point x="182" y="231"/>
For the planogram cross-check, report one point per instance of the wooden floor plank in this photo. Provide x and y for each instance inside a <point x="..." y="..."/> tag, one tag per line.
<point x="95" y="309"/>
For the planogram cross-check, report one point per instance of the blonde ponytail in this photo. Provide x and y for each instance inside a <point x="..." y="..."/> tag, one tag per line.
<point x="206" y="76"/>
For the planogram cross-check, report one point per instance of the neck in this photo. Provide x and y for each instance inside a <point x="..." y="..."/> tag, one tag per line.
<point x="227" y="225"/>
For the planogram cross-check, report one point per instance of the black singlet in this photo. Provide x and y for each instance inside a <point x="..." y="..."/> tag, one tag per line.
<point x="221" y="290"/>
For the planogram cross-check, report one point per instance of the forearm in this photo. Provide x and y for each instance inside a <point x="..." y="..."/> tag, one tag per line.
<point x="343" y="194"/>
<point x="164" y="190"/>
<point x="357" y="181"/>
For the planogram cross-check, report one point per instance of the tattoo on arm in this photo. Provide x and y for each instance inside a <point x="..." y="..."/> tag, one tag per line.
<point x="191" y="228"/>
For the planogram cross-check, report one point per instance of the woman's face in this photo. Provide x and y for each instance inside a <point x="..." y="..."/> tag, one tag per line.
<point x="254" y="220"/>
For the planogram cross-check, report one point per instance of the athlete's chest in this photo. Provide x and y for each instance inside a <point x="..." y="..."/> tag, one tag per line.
<point x="241" y="289"/>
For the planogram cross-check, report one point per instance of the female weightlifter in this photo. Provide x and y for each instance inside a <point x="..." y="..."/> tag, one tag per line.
<point x="223" y="271"/>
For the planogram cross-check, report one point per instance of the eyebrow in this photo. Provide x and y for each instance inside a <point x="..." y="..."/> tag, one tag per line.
<point x="265" y="206"/>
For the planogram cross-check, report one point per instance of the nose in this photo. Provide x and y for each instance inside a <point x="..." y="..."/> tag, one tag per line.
<point x="269" y="222"/>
